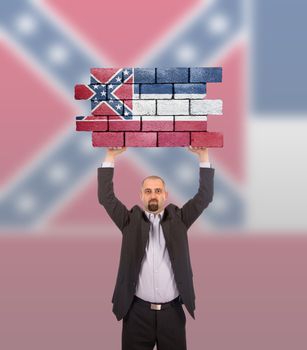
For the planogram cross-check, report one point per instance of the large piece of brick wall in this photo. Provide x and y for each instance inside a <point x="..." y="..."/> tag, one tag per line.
<point x="150" y="107"/>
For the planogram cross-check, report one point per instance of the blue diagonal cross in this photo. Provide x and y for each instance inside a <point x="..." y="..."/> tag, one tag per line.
<point x="27" y="201"/>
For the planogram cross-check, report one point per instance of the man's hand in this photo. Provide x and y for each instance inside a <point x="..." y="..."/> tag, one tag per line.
<point x="112" y="152"/>
<point x="203" y="153"/>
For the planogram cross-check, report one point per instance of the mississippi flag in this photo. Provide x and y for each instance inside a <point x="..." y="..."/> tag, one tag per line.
<point x="159" y="106"/>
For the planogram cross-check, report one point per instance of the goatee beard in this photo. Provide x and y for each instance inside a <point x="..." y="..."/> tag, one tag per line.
<point x="153" y="206"/>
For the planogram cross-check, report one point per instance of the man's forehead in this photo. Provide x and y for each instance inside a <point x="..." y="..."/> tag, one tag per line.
<point x="153" y="183"/>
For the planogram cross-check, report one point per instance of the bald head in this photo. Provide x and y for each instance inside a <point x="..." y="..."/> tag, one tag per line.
<point x="153" y="177"/>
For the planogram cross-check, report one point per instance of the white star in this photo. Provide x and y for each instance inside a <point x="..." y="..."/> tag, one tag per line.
<point x="26" y="24"/>
<point x="58" y="173"/>
<point x="126" y="72"/>
<point x="118" y="79"/>
<point x="95" y="87"/>
<point x="186" y="53"/>
<point x="126" y="113"/>
<point x="111" y="86"/>
<point x="58" y="53"/>
<point x="118" y="107"/>
<point x="26" y="203"/>
<point x="103" y="93"/>
<point x="219" y="24"/>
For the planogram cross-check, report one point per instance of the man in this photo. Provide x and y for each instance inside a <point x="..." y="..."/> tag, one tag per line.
<point x="155" y="275"/>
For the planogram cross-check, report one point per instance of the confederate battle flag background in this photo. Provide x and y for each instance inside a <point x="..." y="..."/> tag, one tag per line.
<point x="59" y="250"/>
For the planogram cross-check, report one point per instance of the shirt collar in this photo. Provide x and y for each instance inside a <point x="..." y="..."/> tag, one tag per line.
<point x="148" y="213"/>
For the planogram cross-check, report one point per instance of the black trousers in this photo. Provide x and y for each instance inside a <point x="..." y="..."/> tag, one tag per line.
<point x="143" y="328"/>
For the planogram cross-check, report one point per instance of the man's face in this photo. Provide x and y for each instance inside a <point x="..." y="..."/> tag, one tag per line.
<point x="153" y="195"/>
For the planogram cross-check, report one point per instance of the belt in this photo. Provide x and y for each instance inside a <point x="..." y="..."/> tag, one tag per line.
<point x="156" y="306"/>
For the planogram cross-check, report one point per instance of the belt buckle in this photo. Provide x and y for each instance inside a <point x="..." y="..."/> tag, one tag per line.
<point x="155" y="306"/>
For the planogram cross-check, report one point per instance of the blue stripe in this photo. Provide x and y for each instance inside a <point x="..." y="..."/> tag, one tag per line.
<point x="190" y="88"/>
<point x="136" y="90"/>
<point x="172" y="75"/>
<point x="156" y="89"/>
<point x="208" y="75"/>
<point x="279" y="58"/>
<point x="144" y="75"/>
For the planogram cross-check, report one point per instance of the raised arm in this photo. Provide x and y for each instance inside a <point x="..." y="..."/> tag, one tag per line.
<point x="193" y="208"/>
<point x="114" y="207"/>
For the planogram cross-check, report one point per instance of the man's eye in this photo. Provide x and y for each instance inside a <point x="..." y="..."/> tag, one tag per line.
<point x="158" y="191"/>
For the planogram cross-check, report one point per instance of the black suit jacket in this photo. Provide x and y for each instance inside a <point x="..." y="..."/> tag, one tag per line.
<point x="135" y="225"/>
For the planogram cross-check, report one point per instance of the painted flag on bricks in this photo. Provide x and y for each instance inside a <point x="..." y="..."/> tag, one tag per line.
<point x="150" y="107"/>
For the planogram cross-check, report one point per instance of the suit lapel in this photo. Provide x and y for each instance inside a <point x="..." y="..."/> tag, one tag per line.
<point x="145" y="226"/>
<point x="165" y="223"/>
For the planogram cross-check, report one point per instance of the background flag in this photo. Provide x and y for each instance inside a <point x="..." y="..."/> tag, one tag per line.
<point x="58" y="248"/>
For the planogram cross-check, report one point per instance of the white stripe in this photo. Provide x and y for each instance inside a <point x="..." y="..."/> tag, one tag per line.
<point x="277" y="173"/>
<point x="190" y="96"/>
<point x="134" y="119"/>
<point x="147" y="107"/>
<point x="156" y="97"/>
<point x="206" y="107"/>
<point x="197" y="118"/>
<point x="173" y="107"/>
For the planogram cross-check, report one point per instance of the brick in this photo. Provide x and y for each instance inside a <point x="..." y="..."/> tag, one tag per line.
<point x="173" y="107"/>
<point x="100" y="91"/>
<point x="91" y="123"/>
<point x="191" y="91"/>
<point x="201" y="107"/>
<point x="205" y="74"/>
<point x="140" y="139"/>
<point x="124" y="125"/>
<point x="206" y="139"/>
<point x="83" y="92"/>
<point x="103" y="75"/>
<point x="190" y="123"/>
<point x="158" y="123"/>
<point x="103" y="108"/>
<point x="144" y="75"/>
<point x="107" y="139"/>
<point x="172" y="75"/>
<point x="144" y="107"/>
<point x="122" y="91"/>
<point x="156" y="91"/>
<point x="136" y="91"/>
<point x="173" y="139"/>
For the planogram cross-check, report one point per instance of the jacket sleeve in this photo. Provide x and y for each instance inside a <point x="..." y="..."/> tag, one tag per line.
<point x="114" y="207"/>
<point x="193" y="208"/>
